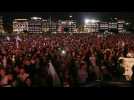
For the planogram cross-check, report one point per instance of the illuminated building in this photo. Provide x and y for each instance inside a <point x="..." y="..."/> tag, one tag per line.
<point x="66" y="26"/>
<point x="117" y="26"/>
<point x="20" y="25"/>
<point x="49" y="26"/>
<point x="35" y="25"/>
<point x="91" y="25"/>
<point x="103" y="26"/>
<point x="1" y="25"/>
<point x="53" y="26"/>
<point x="45" y="26"/>
<point x="121" y="26"/>
<point x="113" y="25"/>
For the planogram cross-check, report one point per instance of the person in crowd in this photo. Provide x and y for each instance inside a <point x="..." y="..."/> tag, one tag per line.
<point x="132" y="74"/>
<point x="76" y="59"/>
<point x="106" y="74"/>
<point x="6" y="80"/>
<point x="23" y="79"/>
<point x="83" y="75"/>
<point x="120" y="71"/>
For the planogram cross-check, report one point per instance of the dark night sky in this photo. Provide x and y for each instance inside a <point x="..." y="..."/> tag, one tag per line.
<point x="79" y="16"/>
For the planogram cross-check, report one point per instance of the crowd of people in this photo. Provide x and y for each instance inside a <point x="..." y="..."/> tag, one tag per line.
<point x="62" y="60"/>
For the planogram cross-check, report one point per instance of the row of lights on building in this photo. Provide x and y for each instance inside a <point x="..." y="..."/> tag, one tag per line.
<point x="39" y="25"/>
<point x="92" y="25"/>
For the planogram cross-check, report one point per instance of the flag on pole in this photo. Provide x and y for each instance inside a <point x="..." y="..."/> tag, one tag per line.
<point x="18" y="38"/>
<point x="8" y="38"/>
<point x="52" y="72"/>
<point x="4" y="62"/>
<point x="17" y="41"/>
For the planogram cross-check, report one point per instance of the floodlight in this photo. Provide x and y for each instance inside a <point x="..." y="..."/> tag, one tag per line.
<point x="93" y="21"/>
<point x="87" y="21"/>
<point x="36" y="18"/>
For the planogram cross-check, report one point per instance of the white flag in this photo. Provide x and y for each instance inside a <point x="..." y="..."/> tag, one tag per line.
<point x="8" y="38"/>
<point x="18" y="38"/>
<point x="17" y="41"/>
<point x="52" y="72"/>
<point x="4" y="62"/>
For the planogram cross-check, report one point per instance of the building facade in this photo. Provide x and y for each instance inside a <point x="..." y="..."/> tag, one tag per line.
<point x="104" y="26"/>
<point x="45" y="26"/>
<point x="39" y="25"/>
<point x="118" y="26"/>
<point x="1" y="25"/>
<point x="121" y="26"/>
<point x="20" y="25"/>
<point x="66" y="26"/>
<point x="53" y="27"/>
<point x="35" y="25"/>
<point x="91" y="26"/>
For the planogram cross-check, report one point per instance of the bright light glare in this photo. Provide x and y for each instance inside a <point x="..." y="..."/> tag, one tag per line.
<point x="36" y="18"/>
<point x="93" y="21"/>
<point x="90" y="21"/>
<point x="87" y="21"/>
<point x="97" y="21"/>
<point x="63" y="52"/>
